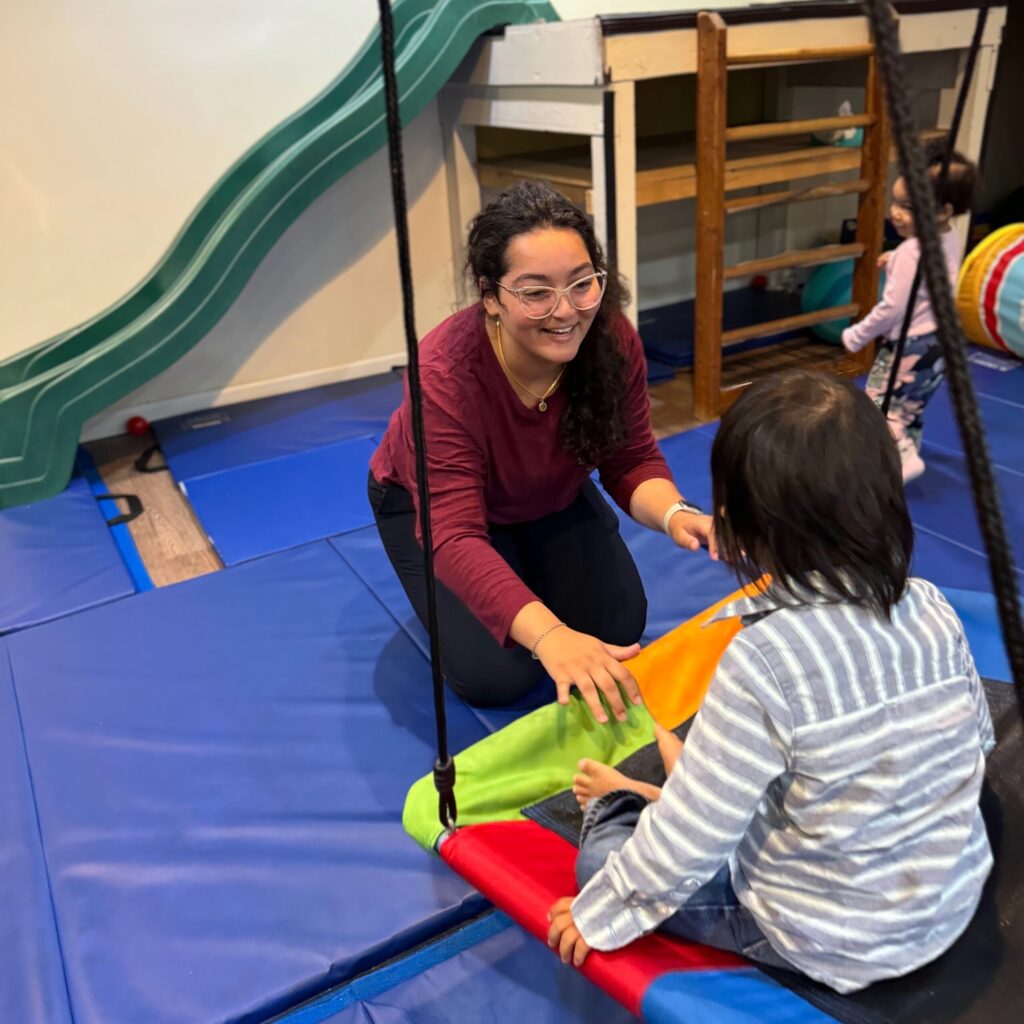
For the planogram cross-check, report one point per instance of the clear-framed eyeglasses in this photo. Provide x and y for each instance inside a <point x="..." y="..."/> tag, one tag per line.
<point x="540" y="301"/>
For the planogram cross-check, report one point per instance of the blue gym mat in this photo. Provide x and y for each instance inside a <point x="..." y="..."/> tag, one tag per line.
<point x="58" y="557"/>
<point x="237" y="435"/>
<point x="940" y="503"/>
<point x="488" y="971"/>
<point x="220" y="769"/>
<point x="256" y="510"/>
<point x="1003" y="422"/>
<point x="32" y="989"/>
<point x="365" y="555"/>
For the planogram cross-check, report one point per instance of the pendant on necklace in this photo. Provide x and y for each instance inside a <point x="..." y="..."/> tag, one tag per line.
<point x="543" y="406"/>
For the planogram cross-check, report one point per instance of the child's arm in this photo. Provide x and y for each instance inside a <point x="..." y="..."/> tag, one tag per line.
<point x="738" y="745"/>
<point x="888" y="314"/>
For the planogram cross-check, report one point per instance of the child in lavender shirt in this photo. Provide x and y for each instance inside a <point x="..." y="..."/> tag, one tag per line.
<point x="922" y="366"/>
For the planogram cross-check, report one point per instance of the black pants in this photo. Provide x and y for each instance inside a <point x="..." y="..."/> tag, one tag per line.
<point x="574" y="561"/>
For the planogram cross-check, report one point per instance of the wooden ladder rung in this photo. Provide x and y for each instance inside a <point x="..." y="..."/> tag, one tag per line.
<point x="795" y="195"/>
<point x="780" y="129"/>
<point x="804" y="56"/>
<point x="795" y="258"/>
<point x="788" y="323"/>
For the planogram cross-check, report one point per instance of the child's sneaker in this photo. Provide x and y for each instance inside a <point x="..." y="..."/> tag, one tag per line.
<point x="910" y="459"/>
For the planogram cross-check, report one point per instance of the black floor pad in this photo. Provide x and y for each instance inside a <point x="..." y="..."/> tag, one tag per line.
<point x="981" y="979"/>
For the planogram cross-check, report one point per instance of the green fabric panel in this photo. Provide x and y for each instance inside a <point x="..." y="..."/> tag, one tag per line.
<point x="533" y="758"/>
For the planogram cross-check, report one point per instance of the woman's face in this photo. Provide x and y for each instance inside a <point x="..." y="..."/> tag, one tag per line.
<point x="547" y="257"/>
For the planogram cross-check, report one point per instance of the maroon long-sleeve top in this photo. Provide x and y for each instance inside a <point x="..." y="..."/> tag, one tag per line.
<point x="493" y="460"/>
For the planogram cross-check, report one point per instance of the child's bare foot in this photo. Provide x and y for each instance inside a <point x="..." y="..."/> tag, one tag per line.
<point x="670" y="746"/>
<point x="595" y="779"/>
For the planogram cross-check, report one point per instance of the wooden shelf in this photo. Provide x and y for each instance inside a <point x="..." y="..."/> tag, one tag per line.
<point x="666" y="170"/>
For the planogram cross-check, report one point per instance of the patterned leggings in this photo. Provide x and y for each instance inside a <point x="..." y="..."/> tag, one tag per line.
<point x="922" y="369"/>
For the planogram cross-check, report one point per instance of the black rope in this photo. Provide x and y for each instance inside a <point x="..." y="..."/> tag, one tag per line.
<point x="947" y="155"/>
<point x="444" y="767"/>
<point x="936" y="276"/>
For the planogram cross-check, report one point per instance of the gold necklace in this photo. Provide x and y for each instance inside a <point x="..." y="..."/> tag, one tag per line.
<point x="542" y="405"/>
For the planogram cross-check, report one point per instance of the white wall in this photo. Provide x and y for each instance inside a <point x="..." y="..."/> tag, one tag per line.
<point x="325" y="304"/>
<point x="117" y="116"/>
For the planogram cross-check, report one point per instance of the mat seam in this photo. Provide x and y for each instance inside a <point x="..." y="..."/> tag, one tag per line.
<point x="39" y="833"/>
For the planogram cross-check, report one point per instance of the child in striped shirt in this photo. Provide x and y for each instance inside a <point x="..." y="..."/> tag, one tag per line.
<point x="823" y="815"/>
<point x="922" y="366"/>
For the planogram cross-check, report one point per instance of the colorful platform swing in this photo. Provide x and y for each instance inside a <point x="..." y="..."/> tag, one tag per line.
<point x="518" y="825"/>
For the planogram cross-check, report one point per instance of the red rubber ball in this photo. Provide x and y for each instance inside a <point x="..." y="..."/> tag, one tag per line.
<point x="137" y="426"/>
<point x="759" y="282"/>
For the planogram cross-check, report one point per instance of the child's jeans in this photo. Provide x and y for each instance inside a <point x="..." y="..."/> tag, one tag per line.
<point x="922" y="369"/>
<point x="711" y="916"/>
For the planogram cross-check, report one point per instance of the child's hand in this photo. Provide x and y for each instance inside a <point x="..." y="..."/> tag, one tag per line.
<point x="691" y="532"/>
<point x="563" y="934"/>
<point x="883" y="260"/>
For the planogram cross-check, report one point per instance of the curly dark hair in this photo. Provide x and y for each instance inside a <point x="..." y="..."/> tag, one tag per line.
<point x="594" y="423"/>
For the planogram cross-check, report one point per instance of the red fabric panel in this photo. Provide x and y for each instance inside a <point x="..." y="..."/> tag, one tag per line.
<point x="523" y="868"/>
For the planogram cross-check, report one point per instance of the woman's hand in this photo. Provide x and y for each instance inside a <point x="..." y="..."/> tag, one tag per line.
<point x="692" y="532"/>
<point x="594" y="668"/>
<point x="563" y="934"/>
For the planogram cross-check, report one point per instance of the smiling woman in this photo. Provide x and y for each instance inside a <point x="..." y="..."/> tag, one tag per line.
<point x="524" y="394"/>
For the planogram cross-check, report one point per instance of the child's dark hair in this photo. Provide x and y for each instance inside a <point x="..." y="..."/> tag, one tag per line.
<point x="961" y="186"/>
<point x="807" y="487"/>
<point x="594" y="423"/>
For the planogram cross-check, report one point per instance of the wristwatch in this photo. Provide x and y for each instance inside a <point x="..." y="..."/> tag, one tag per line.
<point x="680" y="506"/>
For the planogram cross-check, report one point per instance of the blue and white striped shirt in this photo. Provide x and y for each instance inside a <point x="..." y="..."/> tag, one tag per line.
<point x="836" y="766"/>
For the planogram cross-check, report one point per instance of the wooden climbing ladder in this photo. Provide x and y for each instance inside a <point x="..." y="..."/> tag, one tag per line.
<point x="716" y="178"/>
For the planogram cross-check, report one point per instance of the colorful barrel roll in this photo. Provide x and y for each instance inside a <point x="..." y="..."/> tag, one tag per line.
<point x="990" y="292"/>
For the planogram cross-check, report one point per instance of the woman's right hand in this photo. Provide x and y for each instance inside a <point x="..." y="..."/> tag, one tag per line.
<point x="593" y="667"/>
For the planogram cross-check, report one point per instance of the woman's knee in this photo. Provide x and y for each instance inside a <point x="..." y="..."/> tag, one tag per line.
<point x="495" y="681"/>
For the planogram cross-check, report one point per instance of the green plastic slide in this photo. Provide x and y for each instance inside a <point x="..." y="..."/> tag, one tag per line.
<point x="48" y="391"/>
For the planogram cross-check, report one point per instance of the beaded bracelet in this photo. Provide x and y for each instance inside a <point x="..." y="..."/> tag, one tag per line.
<point x="533" y="646"/>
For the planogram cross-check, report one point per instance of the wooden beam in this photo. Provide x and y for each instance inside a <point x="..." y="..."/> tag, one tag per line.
<point x="711" y="114"/>
<point x="802" y="56"/>
<point x="874" y="168"/>
<point x="788" y="323"/>
<point x="780" y="129"/>
<point x="794" y="195"/>
<point x="795" y="258"/>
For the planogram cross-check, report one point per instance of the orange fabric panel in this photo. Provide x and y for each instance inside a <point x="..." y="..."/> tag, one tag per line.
<point x="676" y="670"/>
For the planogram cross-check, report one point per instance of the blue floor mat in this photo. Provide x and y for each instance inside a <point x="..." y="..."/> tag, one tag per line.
<point x="258" y="509"/>
<point x="940" y="503"/>
<point x="220" y="768"/>
<point x="32" y="989"/>
<point x="236" y="435"/>
<point x="668" y="331"/>
<point x="58" y="557"/>
<point x="364" y="553"/>
<point x="488" y="971"/>
<point x="1003" y="422"/>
